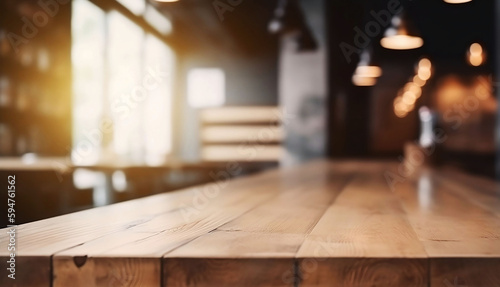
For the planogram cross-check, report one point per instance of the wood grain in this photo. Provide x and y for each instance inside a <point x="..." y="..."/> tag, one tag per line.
<point x="83" y="271"/>
<point x="320" y="224"/>
<point x="368" y="234"/>
<point x="159" y="234"/>
<point x="462" y="272"/>
<point x="278" y="233"/>
<point x="458" y="228"/>
<point x="221" y="272"/>
<point x="363" y="272"/>
<point x="30" y="271"/>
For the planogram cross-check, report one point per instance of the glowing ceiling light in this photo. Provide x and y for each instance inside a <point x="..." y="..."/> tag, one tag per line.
<point x="400" y="108"/>
<point x="409" y="98"/>
<point x="368" y="71"/>
<point x="476" y="49"/>
<point x="476" y="54"/>
<point x="420" y="82"/>
<point x="399" y="37"/>
<point x="414" y="88"/>
<point x="363" y="81"/>
<point x="401" y="42"/>
<point x="424" y="74"/>
<point x="457" y="1"/>
<point x="424" y="63"/>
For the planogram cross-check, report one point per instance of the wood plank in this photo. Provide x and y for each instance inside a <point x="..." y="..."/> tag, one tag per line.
<point x="84" y="271"/>
<point x="225" y="272"/>
<point x="320" y="224"/>
<point x="448" y="223"/>
<point x="363" y="239"/>
<point x="482" y="192"/>
<point x="30" y="271"/>
<point x="363" y="272"/>
<point x="465" y="272"/>
<point x="270" y="234"/>
<point x="42" y="239"/>
<point x="460" y="234"/>
<point x="167" y="231"/>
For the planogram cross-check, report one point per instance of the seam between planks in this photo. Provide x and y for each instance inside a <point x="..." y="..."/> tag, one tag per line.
<point x="413" y="183"/>
<point x="296" y="269"/>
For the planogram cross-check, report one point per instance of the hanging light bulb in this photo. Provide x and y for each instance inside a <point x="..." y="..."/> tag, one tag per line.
<point x="399" y="35"/>
<point x="457" y="1"/>
<point x="363" y="81"/>
<point x="476" y="55"/>
<point x="366" y="72"/>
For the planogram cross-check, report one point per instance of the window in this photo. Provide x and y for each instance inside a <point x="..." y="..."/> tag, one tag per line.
<point x="157" y="20"/>
<point x="122" y="88"/>
<point x="206" y="87"/>
<point x="135" y="6"/>
<point x="88" y="75"/>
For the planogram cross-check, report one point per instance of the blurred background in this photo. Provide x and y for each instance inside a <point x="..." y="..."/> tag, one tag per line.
<point x="103" y="101"/>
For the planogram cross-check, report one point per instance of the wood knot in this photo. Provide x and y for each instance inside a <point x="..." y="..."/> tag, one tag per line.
<point x="80" y="260"/>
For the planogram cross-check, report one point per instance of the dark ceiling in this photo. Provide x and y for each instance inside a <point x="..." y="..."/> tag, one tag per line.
<point x="209" y="24"/>
<point x="447" y="29"/>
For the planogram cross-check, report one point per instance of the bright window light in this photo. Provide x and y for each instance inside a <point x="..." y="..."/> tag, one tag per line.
<point x="124" y="66"/>
<point x="87" y="56"/>
<point x="122" y="86"/>
<point x="157" y="20"/>
<point x="206" y="87"/>
<point x="157" y="118"/>
<point x="135" y="6"/>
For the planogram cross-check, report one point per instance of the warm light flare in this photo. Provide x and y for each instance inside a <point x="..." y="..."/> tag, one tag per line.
<point x="476" y="55"/>
<point x="414" y="88"/>
<point x="401" y="42"/>
<point x="425" y="63"/>
<point x="476" y="49"/>
<point x="476" y="60"/>
<point x="424" y="74"/>
<point x="409" y="98"/>
<point x="363" y="81"/>
<point x="368" y="71"/>
<point x="400" y="109"/>
<point x="419" y="81"/>
<point x="412" y="91"/>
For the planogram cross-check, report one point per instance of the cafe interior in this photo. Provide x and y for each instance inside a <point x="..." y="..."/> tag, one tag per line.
<point x="352" y="115"/>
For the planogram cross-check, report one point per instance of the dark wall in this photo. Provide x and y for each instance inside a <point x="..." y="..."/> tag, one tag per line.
<point x="362" y="120"/>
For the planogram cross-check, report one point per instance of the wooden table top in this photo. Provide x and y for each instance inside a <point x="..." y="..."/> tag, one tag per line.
<point x="320" y="224"/>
